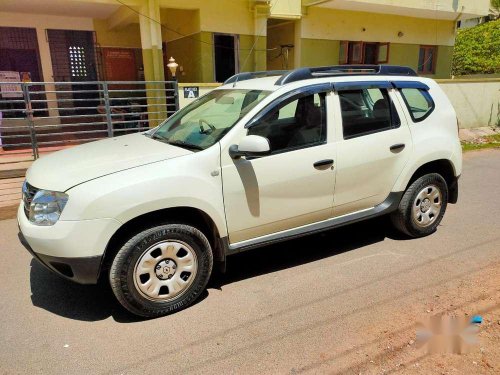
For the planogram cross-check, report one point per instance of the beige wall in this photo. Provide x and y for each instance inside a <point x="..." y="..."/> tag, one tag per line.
<point x="225" y="16"/>
<point x="323" y="23"/>
<point x="126" y="37"/>
<point x="420" y="8"/>
<point x="203" y="87"/>
<point x="180" y="22"/>
<point x="477" y="102"/>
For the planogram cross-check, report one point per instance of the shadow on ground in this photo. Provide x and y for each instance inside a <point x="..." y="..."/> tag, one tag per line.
<point x="96" y="302"/>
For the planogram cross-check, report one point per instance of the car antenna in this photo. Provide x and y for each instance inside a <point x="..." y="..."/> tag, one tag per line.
<point x="236" y="81"/>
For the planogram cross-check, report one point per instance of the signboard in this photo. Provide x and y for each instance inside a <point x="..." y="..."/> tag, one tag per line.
<point x="191" y="92"/>
<point x="10" y="90"/>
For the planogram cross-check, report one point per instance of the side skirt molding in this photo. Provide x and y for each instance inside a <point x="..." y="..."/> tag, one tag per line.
<point x="388" y="205"/>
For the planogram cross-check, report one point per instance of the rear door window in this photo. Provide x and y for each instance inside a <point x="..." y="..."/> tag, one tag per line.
<point x="367" y="111"/>
<point x="419" y="103"/>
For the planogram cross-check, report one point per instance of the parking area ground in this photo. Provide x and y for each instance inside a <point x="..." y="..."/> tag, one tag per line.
<point x="346" y="301"/>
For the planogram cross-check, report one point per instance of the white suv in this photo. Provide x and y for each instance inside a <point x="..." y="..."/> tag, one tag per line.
<point x="267" y="157"/>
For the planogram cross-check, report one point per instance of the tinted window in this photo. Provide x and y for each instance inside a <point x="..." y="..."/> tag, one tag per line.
<point x="419" y="103"/>
<point x="296" y="123"/>
<point x="366" y="111"/>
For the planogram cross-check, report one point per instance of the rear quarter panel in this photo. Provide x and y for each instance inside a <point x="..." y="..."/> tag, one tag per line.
<point x="434" y="138"/>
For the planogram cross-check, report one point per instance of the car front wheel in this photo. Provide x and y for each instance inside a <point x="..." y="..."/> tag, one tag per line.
<point x="422" y="206"/>
<point x="161" y="270"/>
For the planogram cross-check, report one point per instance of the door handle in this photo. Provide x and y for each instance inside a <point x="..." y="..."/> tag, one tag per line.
<point x="397" y="147"/>
<point x="323" y="163"/>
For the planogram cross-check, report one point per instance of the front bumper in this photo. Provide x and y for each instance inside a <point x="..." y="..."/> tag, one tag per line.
<point x="72" y="249"/>
<point x="81" y="270"/>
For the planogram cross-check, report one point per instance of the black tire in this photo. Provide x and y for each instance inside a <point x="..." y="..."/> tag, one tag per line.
<point x="121" y="274"/>
<point x="403" y="218"/>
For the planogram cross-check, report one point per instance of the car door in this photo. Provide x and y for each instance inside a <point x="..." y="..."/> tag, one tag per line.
<point x="374" y="147"/>
<point x="287" y="188"/>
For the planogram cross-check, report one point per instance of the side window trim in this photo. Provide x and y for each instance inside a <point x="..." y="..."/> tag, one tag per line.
<point x="429" y="99"/>
<point x="410" y="85"/>
<point x="360" y="85"/>
<point x="303" y="91"/>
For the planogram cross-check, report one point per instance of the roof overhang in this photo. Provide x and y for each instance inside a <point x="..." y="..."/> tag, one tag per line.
<point x="435" y="9"/>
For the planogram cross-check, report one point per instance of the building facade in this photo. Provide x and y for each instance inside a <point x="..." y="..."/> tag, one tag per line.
<point x="87" y="40"/>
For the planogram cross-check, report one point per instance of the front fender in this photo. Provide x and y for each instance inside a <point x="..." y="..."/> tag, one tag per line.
<point x="182" y="182"/>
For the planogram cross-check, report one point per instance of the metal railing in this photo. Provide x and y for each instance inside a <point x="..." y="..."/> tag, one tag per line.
<point x="38" y="115"/>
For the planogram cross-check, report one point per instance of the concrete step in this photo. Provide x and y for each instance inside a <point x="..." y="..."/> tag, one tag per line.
<point x="9" y="184"/>
<point x="10" y="193"/>
<point x="13" y="191"/>
<point x="8" y="201"/>
<point x="12" y="173"/>
<point x="9" y="211"/>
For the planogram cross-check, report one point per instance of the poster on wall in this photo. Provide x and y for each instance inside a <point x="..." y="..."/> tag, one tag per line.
<point x="119" y="64"/>
<point x="9" y="88"/>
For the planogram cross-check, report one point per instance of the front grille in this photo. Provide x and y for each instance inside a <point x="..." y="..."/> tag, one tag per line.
<point x="28" y="194"/>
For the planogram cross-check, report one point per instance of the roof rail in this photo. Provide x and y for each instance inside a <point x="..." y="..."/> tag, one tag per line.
<point x="344" y="70"/>
<point x="250" y="75"/>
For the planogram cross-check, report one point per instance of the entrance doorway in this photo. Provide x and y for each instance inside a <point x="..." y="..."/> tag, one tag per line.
<point x="225" y="56"/>
<point x="74" y="60"/>
<point x="280" y="44"/>
<point x="19" y="55"/>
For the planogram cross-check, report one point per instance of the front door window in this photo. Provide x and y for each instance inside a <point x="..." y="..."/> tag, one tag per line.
<point x="296" y="123"/>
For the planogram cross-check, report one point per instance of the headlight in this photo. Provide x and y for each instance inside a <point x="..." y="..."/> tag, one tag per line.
<point x="46" y="207"/>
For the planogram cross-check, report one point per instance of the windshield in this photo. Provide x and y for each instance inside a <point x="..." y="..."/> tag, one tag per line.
<point x="205" y="121"/>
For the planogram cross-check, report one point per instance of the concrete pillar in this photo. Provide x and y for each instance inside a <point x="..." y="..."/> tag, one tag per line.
<point x="47" y="73"/>
<point x="260" y="53"/>
<point x="152" y="56"/>
<point x="297" y="44"/>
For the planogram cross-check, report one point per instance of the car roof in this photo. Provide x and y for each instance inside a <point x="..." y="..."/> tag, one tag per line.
<point x="269" y="83"/>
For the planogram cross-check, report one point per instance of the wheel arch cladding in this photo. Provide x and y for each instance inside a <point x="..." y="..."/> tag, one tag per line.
<point x="176" y="215"/>
<point x="443" y="167"/>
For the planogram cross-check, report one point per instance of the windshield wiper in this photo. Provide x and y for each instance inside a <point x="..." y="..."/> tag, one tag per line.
<point x="157" y="136"/>
<point x="185" y="145"/>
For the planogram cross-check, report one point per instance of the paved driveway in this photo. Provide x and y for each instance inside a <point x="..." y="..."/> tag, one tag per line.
<point x="337" y="302"/>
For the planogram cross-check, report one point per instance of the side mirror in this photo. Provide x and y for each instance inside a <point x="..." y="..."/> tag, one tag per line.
<point x="250" y="146"/>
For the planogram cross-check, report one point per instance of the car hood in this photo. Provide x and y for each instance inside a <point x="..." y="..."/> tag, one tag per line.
<point x="64" y="169"/>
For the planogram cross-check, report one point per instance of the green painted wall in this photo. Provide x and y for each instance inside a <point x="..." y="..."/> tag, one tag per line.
<point x="206" y="62"/>
<point x="318" y="52"/>
<point x="407" y="55"/>
<point x="444" y="60"/>
<point x="196" y="55"/>
<point x="404" y="54"/>
<point x="187" y="53"/>
<point x="252" y="60"/>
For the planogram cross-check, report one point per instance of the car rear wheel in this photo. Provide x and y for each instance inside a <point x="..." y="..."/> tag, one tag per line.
<point x="161" y="270"/>
<point x="422" y="206"/>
